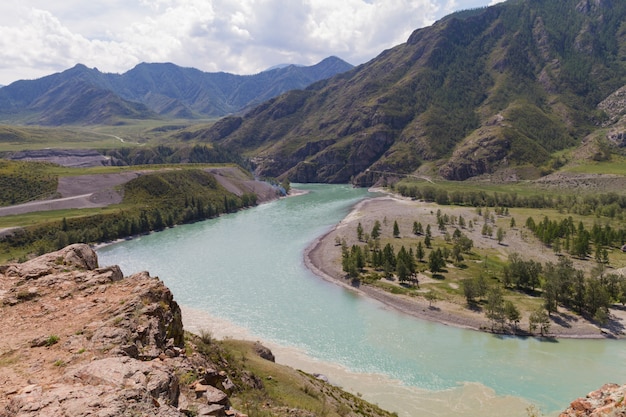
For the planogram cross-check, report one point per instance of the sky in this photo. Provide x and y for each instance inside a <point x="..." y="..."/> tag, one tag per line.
<point x="42" y="37"/>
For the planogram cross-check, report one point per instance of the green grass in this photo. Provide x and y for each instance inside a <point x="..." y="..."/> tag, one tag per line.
<point x="131" y="132"/>
<point x="287" y="387"/>
<point x="616" y="166"/>
<point x="39" y="217"/>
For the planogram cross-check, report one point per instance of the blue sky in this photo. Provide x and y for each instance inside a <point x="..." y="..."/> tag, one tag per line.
<point x="40" y="37"/>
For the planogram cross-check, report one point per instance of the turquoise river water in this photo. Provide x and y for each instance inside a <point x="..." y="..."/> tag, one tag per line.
<point x="247" y="269"/>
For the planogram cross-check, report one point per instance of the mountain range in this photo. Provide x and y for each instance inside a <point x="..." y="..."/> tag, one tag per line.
<point x="87" y="96"/>
<point x="505" y="88"/>
<point x="502" y="87"/>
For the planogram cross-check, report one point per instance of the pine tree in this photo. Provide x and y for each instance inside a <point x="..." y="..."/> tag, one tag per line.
<point x="375" y="230"/>
<point x="420" y="252"/>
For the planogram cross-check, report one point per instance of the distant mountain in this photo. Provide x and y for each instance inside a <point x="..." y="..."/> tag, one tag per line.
<point x="499" y="87"/>
<point x="86" y="96"/>
<point x="273" y="67"/>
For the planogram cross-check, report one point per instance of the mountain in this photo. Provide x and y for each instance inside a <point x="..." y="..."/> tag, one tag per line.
<point x="86" y="96"/>
<point x="479" y="90"/>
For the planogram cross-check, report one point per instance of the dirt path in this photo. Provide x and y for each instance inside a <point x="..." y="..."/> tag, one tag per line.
<point x="85" y="191"/>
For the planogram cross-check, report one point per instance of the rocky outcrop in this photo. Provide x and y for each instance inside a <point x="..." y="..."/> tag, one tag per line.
<point x="607" y="401"/>
<point x="476" y="157"/>
<point x="83" y="340"/>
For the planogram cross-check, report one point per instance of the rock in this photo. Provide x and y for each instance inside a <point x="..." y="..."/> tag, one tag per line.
<point x="211" y="410"/>
<point x="216" y="396"/>
<point x="199" y="388"/>
<point x="263" y="352"/>
<point x="40" y="341"/>
<point x="321" y="377"/>
<point x="228" y="385"/>
<point x="607" y="401"/>
<point x="118" y="320"/>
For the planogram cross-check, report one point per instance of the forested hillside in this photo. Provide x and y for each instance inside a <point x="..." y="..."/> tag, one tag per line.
<point x="151" y="202"/>
<point x="503" y="86"/>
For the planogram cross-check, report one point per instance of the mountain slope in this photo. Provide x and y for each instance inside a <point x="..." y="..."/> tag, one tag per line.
<point x="481" y="89"/>
<point x="87" y="96"/>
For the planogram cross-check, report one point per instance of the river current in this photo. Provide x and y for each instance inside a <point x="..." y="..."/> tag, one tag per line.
<point x="247" y="269"/>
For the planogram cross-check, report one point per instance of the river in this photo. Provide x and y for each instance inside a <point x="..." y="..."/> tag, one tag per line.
<point x="246" y="271"/>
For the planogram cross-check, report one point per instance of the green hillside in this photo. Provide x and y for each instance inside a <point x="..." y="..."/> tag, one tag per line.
<point x="503" y="86"/>
<point x="151" y="202"/>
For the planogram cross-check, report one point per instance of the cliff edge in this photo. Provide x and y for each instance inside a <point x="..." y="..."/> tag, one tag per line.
<point x="607" y="401"/>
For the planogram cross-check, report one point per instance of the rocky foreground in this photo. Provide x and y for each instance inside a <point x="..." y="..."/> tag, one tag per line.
<point x="608" y="401"/>
<point x="79" y="340"/>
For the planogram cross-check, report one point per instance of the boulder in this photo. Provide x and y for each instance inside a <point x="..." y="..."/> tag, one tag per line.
<point x="263" y="352"/>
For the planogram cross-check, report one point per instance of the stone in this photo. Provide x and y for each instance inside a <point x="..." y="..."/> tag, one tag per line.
<point x="215" y="396"/>
<point x="211" y="410"/>
<point x="264" y="352"/>
<point x="228" y="385"/>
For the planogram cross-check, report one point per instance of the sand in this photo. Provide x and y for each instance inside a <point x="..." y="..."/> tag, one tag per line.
<point x="469" y="399"/>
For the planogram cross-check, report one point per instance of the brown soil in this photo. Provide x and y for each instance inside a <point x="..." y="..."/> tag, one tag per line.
<point x="323" y="257"/>
<point x="101" y="190"/>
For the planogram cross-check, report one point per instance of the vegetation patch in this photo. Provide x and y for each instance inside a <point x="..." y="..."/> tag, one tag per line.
<point x="21" y="182"/>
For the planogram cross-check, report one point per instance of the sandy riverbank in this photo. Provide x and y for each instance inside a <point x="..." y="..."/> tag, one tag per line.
<point x="323" y="257"/>
<point x="467" y="399"/>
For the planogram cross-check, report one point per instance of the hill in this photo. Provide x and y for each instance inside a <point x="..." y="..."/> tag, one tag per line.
<point x="86" y="96"/>
<point x="499" y="87"/>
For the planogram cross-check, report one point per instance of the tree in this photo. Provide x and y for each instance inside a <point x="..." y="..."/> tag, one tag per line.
<point x="461" y="222"/>
<point x="405" y="264"/>
<point x="349" y="266"/>
<point x="464" y="243"/>
<point x="431" y="297"/>
<point x="596" y="297"/>
<point x="539" y="318"/>
<point x="402" y="271"/>
<point x="419" y="253"/>
<point x="375" y="230"/>
<point x="396" y="229"/>
<point x="580" y="245"/>
<point x="512" y="224"/>
<point x="389" y="256"/>
<point x="359" y="232"/>
<point x="481" y="285"/>
<point x="495" y="306"/>
<point x="470" y="290"/>
<point x="427" y="241"/>
<point x="359" y="258"/>
<point x="457" y="256"/>
<point x="436" y="261"/>
<point x="512" y="313"/>
<point x="417" y="228"/>
<point x="500" y="235"/>
<point x="602" y="316"/>
<point x="550" y="296"/>
<point x="556" y="246"/>
<point x="441" y="224"/>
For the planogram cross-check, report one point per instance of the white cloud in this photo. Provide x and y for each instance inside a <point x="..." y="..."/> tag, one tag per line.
<point x="38" y="37"/>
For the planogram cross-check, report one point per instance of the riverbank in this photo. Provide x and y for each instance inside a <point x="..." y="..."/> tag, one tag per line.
<point x="323" y="257"/>
<point x="462" y="400"/>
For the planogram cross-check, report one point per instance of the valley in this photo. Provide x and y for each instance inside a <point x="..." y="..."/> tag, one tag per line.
<point x="464" y="202"/>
